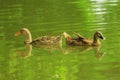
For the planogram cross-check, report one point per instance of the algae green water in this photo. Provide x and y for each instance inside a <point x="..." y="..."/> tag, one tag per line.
<point x="53" y="17"/>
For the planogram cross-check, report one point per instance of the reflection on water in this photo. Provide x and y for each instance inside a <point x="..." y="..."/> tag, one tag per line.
<point x="50" y="17"/>
<point x="26" y="53"/>
<point x="82" y="49"/>
<point x="50" y="48"/>
<point x="69" y="49"/>
<point x="28" y="49"/>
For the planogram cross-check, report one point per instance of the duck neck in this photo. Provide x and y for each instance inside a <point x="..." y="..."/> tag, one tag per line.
<point x="96" y="40"/>
<point x="28" y="37"/>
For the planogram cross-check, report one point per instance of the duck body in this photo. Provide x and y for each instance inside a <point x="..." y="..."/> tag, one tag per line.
<point x="81" y="41"/>
<point x="44" y="40"/>
<point x="48" y="40"/>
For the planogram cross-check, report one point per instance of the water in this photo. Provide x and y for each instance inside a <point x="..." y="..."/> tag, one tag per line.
<point x="24" y="62"/>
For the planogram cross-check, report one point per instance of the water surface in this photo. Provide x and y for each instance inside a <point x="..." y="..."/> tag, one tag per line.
<point x="24" y="62"/>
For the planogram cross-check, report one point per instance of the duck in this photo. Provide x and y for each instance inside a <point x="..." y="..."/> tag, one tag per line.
<point x="82" y="41"/>
<point x="43" y="40"/>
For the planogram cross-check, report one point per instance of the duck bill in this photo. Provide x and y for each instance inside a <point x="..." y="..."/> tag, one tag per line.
<point x="102" y="37"/>
<point x="17" y="34"/>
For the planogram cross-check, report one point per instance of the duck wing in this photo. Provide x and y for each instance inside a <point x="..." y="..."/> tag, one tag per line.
<point x="47" y="40"/>
<point x="79" y="36"/>
<point x="87" y="42"/>
<point x="67" y="36"/>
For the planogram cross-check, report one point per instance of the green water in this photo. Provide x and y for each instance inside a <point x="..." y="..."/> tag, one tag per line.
<point x="53" y="17"/>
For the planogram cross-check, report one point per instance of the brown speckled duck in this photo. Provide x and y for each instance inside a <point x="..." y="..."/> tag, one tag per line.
<point x="81" y="41"/>
<point x="44" y="40"/>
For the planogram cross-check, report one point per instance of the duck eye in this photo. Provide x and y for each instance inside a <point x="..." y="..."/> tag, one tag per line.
<point x="99" y="34"/>
<point x="22" y="31"/>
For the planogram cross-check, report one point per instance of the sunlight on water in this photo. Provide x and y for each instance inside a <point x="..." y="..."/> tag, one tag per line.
<point x="103" y="1"/>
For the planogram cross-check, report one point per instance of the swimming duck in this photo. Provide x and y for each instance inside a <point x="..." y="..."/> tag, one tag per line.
<point x="44" y="40"/>
<point x="82" y="41"/>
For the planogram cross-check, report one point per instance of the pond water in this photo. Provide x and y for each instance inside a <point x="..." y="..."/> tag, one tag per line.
<point x="50" y="17"/>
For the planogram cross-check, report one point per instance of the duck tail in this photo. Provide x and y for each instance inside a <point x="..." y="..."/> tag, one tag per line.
<point x="67" y="36"/>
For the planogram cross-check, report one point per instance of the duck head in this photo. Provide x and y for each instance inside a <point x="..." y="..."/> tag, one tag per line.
<point x="21" y="31"/>
<point x="99" y="34"/>
<point x="26" y="32"/>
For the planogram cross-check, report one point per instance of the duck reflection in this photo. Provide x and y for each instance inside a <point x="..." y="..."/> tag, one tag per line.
<point x="83" y="49"/>
<point x="98" y="53"/>
<point x="49" y="48"/>
<point x="28" y="49"/>
<point x="26" y="53"/>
